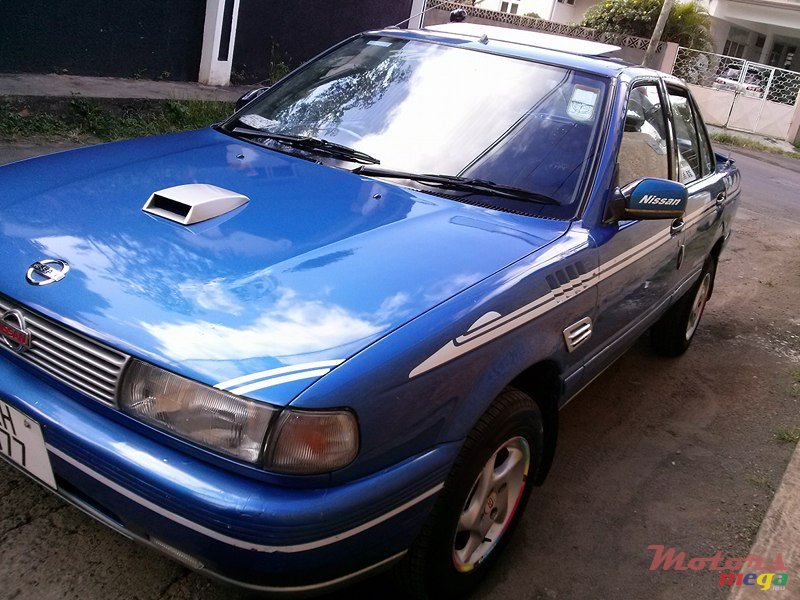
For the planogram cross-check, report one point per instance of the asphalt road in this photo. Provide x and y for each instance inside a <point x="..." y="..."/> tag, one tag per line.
<point x="655" y="452"/>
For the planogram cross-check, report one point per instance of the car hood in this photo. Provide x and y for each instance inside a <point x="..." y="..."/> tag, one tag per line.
<point x="319" y="264"/>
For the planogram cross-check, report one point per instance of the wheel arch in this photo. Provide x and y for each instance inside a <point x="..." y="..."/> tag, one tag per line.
<point x="716" y="251"/>
<point x="542" y="382"/>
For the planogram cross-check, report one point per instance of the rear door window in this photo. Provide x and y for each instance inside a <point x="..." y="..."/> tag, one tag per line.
<point x="692" y="165"/>
<point x="706" y="152"/>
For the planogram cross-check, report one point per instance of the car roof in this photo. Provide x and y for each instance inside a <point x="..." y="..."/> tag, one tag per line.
<point x="527" y="37"/>
<point x="574" y="53"/>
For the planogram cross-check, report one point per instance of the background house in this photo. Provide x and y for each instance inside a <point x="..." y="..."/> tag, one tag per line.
<point x="560" y="11"/>
<point x="763" y="31"/>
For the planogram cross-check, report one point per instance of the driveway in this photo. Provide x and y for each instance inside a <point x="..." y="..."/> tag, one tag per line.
<point x="665" y="452"/>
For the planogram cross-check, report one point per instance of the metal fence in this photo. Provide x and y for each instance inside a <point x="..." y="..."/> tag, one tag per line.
<point x="737" y="75"/>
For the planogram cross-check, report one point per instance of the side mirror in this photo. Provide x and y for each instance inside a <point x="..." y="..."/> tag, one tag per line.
<point x="248" y="97"/>
<point x="648" y="198"/>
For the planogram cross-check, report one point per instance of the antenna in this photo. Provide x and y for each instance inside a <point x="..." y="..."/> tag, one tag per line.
<point x="419" y="14"/>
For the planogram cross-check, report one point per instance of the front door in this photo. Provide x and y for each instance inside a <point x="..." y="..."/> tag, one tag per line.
<point x="638" y="260"/>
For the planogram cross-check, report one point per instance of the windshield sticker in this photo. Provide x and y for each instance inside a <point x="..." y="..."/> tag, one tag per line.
<point x="258" y="122"/>
<point x="379" y="43"/>
<point x="581" y="105"/>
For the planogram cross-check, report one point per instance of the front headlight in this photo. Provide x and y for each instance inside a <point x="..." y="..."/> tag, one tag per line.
<point x="301" y="442"/>
<point x="229" y="424"/>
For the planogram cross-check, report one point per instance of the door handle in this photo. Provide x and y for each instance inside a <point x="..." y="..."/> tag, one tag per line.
<point x="721" y="197"/>
<point x="676" y="227"/>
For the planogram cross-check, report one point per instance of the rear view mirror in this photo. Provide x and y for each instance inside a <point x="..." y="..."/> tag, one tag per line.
<point x="648" y="198"/>
<point x="248" y="97"/>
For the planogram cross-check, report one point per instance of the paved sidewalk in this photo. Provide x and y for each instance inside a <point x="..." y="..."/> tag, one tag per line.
<point x="53" y="85"/>
<point x="780" y="534"/>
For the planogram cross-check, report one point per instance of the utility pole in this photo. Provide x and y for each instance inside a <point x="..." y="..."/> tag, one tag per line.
<point x="657" y="32"/>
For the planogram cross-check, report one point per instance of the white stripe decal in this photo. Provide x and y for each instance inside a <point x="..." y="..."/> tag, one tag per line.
<point x="497" y="326"/>
<point x="277" y="371"/>
<point x="260" y="385"/>
<point x="699" y="215"/>
<point x="231" y="541"/>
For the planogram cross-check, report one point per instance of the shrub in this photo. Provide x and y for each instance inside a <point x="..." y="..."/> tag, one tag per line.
<point x="689" y="23"/>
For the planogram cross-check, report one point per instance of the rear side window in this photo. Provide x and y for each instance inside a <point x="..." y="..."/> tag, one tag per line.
<point x="706" y="153"/>
<point x="693" y="157"/>
<point x="643" y="150"/>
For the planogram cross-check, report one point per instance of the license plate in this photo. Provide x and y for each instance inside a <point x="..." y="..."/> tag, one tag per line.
<point x="22" y="442"/>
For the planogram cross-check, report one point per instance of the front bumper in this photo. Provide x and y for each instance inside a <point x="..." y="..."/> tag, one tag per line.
<point x="237" y="528"/>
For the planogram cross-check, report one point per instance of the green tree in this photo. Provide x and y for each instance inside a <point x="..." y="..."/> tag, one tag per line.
<point x="689" y="23"/>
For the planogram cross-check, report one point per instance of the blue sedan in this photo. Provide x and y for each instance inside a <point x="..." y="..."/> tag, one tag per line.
<point x="333" y="333"/>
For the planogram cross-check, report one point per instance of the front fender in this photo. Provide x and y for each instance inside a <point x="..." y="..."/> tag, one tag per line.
<point x="429" y="382"/>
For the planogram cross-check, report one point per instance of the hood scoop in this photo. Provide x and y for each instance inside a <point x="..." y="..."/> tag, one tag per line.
<point x="193" y="203"/>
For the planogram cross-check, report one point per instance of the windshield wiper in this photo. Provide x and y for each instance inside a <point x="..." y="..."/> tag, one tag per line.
<point x="310" y="143"/>
<point x="461" y="184"/>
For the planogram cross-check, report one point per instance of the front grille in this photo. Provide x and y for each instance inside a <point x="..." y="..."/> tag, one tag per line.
<point x="82" y="363"/>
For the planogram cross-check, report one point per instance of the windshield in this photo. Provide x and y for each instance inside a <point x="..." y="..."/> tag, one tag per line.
<point x="421" y="107"/>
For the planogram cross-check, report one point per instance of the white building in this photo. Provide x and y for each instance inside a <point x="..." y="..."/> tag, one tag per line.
<point x="561" y="11"/>
<point x="764" y="31"/>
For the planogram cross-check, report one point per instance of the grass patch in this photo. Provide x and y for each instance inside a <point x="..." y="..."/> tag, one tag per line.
<point x="88" y="118"/>
<point x="790" y="435"/>
<point x="761" y="482"/>
<point x="794" y="388"/>
<point x="744" y="142"/>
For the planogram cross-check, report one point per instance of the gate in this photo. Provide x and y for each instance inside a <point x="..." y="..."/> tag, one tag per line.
<point x="740" y="94"/>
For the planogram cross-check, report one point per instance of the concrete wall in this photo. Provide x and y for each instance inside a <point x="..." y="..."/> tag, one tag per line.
<point x="147" y="38"/>
<point x="272" y="32"/>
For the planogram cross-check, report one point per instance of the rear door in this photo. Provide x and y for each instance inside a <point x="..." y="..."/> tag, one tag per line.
<point x="697" y="170"/>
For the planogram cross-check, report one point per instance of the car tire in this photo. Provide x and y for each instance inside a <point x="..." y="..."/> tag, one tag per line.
<point x="488" y="489"/>
<point x="673" y="333"/>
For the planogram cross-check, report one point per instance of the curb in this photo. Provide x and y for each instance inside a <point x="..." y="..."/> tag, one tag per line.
<point x="66" y="86"/>
<point x="62" y="104"/>
<point x="779" y="534"/>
